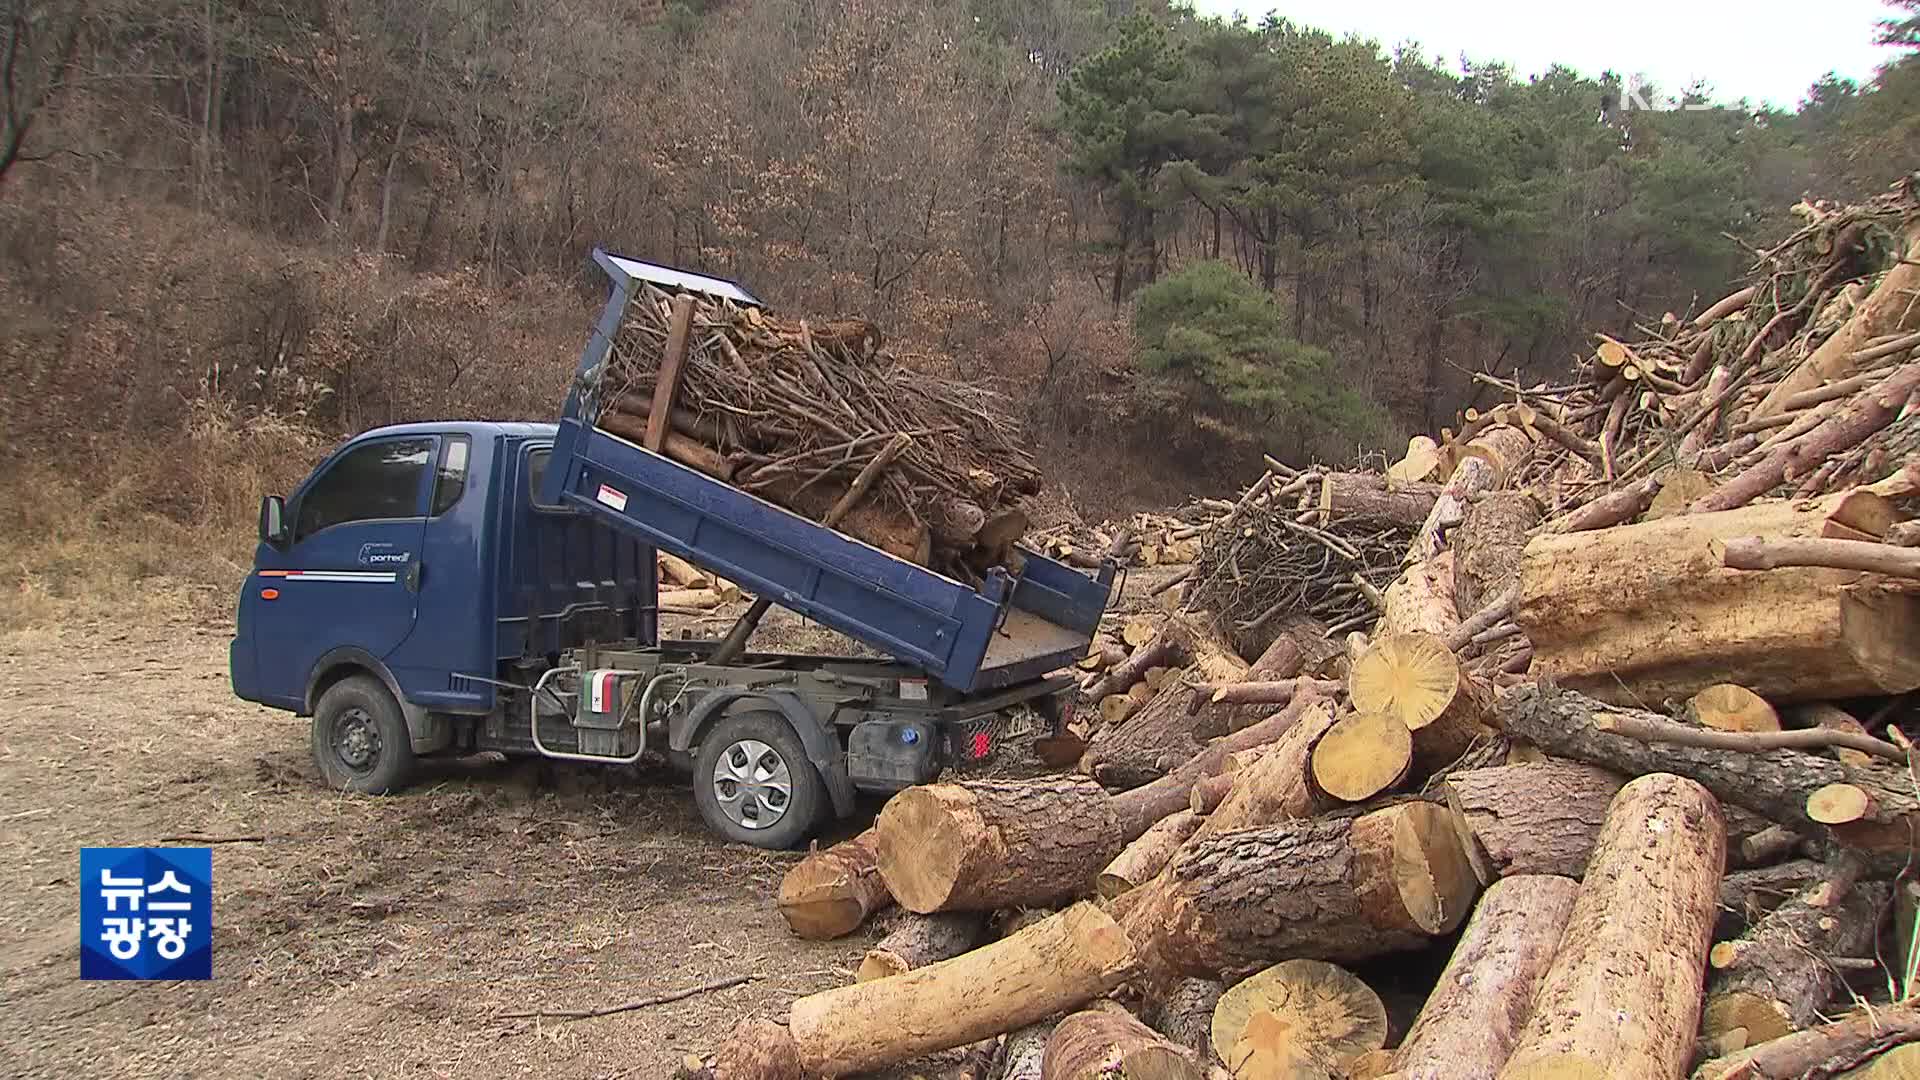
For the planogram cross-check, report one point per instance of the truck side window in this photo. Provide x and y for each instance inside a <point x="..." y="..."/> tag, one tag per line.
<point x="378" y="480"/>
<point x="450" y="482"/>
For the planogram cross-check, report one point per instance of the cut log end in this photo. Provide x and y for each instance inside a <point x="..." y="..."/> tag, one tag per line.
<point x="1762" y="1019"/>
<point x="1732" y="707"/>
<point x="1723" y="955"/>
<point x="1362" y="755"/>
<point x="1325" y="1016"/>
<point x="1433" y="882"/>
<point x="1839" y="804"/>
<point x="830" y="893"/>
<point x="1411" y="676"/>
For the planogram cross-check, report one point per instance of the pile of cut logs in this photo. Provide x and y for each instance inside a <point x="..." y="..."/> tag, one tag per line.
<point x="687" y="589"/>
<point x="1144" y="539"/>
<point x="1613" y="779"/>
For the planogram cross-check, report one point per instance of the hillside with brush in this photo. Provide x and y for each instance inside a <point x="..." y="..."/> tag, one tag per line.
<point x="233" y="232"/>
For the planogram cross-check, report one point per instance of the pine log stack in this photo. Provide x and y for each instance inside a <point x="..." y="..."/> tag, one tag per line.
<point x="1587" y="723"/>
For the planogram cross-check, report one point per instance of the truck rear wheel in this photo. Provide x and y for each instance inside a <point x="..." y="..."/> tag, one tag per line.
<point x="360" y="738"/>
<point x="754" y="784"/>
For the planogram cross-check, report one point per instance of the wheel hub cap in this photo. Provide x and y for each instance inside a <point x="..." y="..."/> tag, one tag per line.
<point x="752" y="784"/>
<point x="356" y="741"/>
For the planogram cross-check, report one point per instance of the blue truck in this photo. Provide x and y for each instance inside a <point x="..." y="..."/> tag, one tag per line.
<point x="450" y="588"/>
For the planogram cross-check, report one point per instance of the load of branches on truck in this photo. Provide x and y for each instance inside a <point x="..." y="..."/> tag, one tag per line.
<point x="793" y="410"/>
<point x="1610" y="776"/>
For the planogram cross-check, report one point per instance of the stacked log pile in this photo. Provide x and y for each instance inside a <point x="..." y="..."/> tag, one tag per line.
<point x="1595" y="708"/>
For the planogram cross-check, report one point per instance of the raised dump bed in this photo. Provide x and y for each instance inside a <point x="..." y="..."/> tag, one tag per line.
<point x="1020" y="623"/>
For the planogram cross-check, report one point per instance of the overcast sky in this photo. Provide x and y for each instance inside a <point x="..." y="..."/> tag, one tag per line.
<point x="1767" y="51"/>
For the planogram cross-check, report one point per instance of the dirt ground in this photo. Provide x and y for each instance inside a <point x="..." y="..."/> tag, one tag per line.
<point x="358" y="936"/>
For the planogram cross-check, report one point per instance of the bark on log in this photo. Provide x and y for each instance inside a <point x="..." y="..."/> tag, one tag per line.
<point x="1334" y="889"/>
<point x="1746" y="896"/>
<point x="1275" y="786"/>
<point x="1369" y="497"/>
<point x="693" y="455"/>
<point x="1652" y="728"/>
<point x="1474" y="1015"/>
<point x="1899" y="1063"/>
<point x="1106" y="1041"/>
<point x="1421" y="600"/>
<point x="1762" y="848"/>
<point x="919" y="940"/>
<point x="1531" y="819"/>
<point x="1827" y="1050"/>
<point x="1775" y="783"/>
<point x="1143" y="859"/>
<point x="1645" y="612"/>
<point x="1504" y="448"/>
<point x="1890" y="309"/>
<point x="988" y="844"/>
<point x="1762" y="553"/>
<point x="1299" y="648"/>
<point x="1622" y="997"/>
<point x="1777" y="978"/>
<point x="1117" y="678"/>
<point x="1059" y="963"/>
<point x="1208" y="794"/>
<point x="1262" y="693"/>
<point x="1868" y="412"/>
<point x="681" y="572"/>
<point x="1164" y="731"/>
<point x="830" y="893"/>
<point x="1487" y="548"/>
<point x="1024" y="1052"/>
<point x="1832" y="717"/>
<point x="1137" y="810"/>
<point x="1612" y="509"/>
<point x="1184" y="1014"/>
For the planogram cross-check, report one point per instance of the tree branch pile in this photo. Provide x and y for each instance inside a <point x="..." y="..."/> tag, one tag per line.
<point x="793" y="411"/>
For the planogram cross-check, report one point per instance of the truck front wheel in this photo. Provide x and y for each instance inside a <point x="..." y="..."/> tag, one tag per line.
<point x="360" y="737"/>
<point x="753" y="783"/>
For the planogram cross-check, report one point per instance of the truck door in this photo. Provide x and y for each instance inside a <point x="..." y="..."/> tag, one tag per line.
<point x="349" y="573"/>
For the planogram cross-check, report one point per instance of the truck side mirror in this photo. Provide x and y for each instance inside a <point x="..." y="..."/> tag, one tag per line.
<point x="273" y="521"/>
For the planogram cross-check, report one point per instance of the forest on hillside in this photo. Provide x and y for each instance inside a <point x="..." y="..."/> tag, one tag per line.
<point x="1174" y="242"/>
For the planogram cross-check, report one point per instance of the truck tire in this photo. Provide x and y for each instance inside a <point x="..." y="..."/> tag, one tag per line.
<point x="754" y="784"/>
<point x="360" y="740"/>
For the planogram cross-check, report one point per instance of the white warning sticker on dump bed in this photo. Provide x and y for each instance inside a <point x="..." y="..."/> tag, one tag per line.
<point x="615" y="499"/>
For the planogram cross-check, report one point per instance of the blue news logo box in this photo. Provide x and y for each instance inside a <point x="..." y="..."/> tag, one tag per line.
<point x="146" y="913"/>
